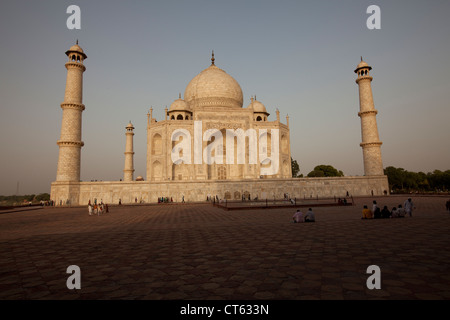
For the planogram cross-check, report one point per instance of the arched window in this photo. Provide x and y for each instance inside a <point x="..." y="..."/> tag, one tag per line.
<point x="285" y="168"/>
<point x="156" y="170"/>
<point x="157" y="144"/>
<point x="172" y="117"/>
<point x="258" y="118"/>
<point x="179" y="117"/>
<point x="284" y="144"/>
<point x="187" y="118"/>
<point x="365" y="72"/>
<point x="222" y="173"/>
<point x="73" y="58"/>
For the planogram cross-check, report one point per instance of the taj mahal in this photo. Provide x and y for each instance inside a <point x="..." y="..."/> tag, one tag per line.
<point x="209" y="144"/>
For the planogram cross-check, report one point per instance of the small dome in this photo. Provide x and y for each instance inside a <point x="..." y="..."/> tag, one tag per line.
<point x="139" y="178"/>
<point x="258" y="106"/>
<point x="76" y="48"/>
<point x="179" y="105"/>
<point x="130" y="125"/>
<point x="361" y="65"/>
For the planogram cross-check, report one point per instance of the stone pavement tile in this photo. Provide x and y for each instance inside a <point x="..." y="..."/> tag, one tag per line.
<point x="264" y="295"/>
<point x="201" y="252"/>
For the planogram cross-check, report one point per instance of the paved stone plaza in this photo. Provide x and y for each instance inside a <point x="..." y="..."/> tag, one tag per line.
<point x="197" y="251"/>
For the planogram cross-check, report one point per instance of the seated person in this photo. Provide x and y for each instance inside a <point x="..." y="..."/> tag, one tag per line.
<point x="367" y="213"/>
<point x="385" y="213"/>
<point x="298" y="216"/>
<point x="374" y="206"/>
<point x="377" y="213"/>
<point x="310" y="217"/>
<point x="400" y="212"/>
<point x="394" y="213"/>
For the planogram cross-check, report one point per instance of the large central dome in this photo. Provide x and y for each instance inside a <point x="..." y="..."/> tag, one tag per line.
<point x="213" y="87"/>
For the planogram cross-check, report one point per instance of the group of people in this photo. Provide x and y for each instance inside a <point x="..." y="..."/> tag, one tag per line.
<point x="97" y="208"/>
<point x="168" y="200"/>
<point x="396" y="212"/>
<point x="298" y="216"/>
<point x="165" y="200"/>
<point x="342" y="202"/>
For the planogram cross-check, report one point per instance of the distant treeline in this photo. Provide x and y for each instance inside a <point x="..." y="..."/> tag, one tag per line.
<point x="401" y="180"/>
<point x="17" y="200"/>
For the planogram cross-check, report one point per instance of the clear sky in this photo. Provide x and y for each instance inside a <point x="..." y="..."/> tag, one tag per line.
<point x="297" y="56"/>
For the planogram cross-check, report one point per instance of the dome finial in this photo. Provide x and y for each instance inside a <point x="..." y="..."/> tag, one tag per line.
<point x="179" y="95"/>
<point x="77" y="41"/>
<point x="212" y="58"/>
<point x="361" y="59"/>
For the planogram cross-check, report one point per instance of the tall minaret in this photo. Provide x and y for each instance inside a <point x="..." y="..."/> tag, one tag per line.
<point x="371" y="143"/>
<point x="129" y="166"/>
<point x="70" y="143"/>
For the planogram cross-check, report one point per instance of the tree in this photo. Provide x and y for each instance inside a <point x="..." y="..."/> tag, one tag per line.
<point x="402" y="180"/>
<point x="42" y="197"/>
<point x="295" y="168"/>
<point x="396" y="177"/>
<point x="439" y="180"/>
<point x="325" y="171"/>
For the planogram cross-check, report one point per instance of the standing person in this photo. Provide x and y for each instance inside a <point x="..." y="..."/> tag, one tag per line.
<point x="310" y="216"/>
<point x="298" y="216"/>
<point x="182" y="199"/>
<point x="90" y="208"/>
<point x="409" y="206"/>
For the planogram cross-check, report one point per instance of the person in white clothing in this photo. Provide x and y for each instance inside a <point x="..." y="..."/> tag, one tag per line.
<point x="310" y="216"/>
<point x="374" y="206"/>
<point x="298" y="216"/>
<point x="400" y="211"/>
<point x="409" y="206"/>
